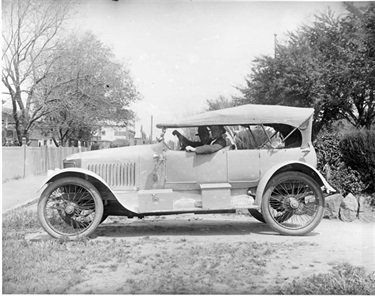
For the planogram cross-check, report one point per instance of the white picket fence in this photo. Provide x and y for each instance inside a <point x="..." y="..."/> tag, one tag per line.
<point x="20" y="162"/>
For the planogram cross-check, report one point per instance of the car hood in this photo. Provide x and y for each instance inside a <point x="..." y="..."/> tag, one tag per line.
<point x="120" y="154"/>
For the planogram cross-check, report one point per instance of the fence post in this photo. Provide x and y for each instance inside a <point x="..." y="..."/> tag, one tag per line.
<point x="61" y="156"/>
<point x="24" y="159"/>
<point x="46" y="158"/>
<point x="24" y="155"/>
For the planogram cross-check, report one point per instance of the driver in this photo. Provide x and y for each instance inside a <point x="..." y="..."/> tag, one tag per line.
<point x="218" y="142"/>
<point x="203" y="134"/>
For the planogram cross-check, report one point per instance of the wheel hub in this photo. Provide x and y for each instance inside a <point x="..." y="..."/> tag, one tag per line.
<point x="69" y="209"/>
<point x="294" y="204"/>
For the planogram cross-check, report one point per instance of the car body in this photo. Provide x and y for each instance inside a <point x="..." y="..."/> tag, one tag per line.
<point x="274" y="175"/>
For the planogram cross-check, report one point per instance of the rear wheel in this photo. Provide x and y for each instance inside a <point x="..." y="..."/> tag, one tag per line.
<point x="70" y="207"/>
<point x="293" y="204"/>
<point x="104" y="217"/>
<point x="257" y="215"/>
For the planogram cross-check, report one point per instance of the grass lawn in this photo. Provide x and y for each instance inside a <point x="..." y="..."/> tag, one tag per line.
<point x="344" y="279"/>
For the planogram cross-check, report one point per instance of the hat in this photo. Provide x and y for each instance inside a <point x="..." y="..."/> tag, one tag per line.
<point x="219" y="127"/>
<point x="202" y="130"/>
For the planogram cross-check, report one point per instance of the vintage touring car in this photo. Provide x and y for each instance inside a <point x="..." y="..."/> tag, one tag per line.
<point x="268" y="167"/>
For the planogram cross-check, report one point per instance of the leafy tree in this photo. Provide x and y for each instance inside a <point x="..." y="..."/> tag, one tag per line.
<point x="220" y="102"/>
<point x="86" y="87"/>
<point x="359" y="38"/>
<point x="328" y="65"/>
<point x="30" y="34"/>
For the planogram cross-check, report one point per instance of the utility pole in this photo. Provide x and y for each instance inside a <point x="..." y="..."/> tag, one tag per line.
<point x="152" y="123"/>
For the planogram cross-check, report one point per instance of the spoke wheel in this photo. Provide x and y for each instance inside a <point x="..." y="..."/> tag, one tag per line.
<point x="293" y="204"/>
<point x="70" y="207"/>
<point x="257" y="215"/>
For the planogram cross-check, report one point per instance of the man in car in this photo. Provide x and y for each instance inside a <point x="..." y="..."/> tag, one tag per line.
<point x="203" y="134"/>
<point x="218" y="142"/>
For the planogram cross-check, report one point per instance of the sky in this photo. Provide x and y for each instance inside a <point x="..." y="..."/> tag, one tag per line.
<point x="183" y="53"/>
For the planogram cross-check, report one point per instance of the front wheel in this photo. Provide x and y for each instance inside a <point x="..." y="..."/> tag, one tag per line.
<point x="293" y="203"/>
<point x="70" y="207"/>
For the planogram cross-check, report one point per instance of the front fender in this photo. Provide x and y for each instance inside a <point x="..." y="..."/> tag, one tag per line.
<point x="291" y="166"/>
<point x="122" y="197"/>
<point x="52" y="175"/>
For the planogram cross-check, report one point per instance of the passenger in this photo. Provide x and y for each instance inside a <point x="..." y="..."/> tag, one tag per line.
<point x="203" y="134"/>
<point x="218" y="142"/>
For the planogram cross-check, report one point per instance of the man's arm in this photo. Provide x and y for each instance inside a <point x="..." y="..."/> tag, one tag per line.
<point x="208" y="149"/>
<point x="186" y="141"/>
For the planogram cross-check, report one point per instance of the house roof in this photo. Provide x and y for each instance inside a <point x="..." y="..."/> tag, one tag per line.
<point x="8" y="114"/>
<point x="245" y="114"/>
<point x="6" y="110"/>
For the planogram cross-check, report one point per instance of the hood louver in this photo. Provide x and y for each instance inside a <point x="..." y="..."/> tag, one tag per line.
<point x="115" y="174"/>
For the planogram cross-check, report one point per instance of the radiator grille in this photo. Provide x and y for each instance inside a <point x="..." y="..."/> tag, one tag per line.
<point x="116" y="174"/>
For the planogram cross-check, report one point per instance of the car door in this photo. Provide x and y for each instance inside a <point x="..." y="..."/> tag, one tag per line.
<point x="243" y="168"/>
<point x="187" y="170"/>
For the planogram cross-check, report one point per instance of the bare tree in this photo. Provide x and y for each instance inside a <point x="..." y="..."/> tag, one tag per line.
<point x="30" y="33"/>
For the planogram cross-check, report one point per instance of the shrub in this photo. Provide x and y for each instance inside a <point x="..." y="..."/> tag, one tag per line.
<point x="331" y="164"/>
<point x="358" y="151"/>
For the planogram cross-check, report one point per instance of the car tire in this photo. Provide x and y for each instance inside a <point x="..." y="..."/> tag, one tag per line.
<point x="257" y="215"/>
<point x="70" y="208"/>
<point x="293" y="203"/>
<point x="104" y="217"/>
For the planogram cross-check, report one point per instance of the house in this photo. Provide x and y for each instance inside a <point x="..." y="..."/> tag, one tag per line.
<point x="106" y="134"/>
<point x="9" y="135"/>
<point x="109" y="132"/>
<point x="38" y="137"/>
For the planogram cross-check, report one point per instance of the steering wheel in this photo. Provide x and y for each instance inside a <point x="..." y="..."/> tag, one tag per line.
<point x="180" y="141"/>
<point x="165" y="144"/>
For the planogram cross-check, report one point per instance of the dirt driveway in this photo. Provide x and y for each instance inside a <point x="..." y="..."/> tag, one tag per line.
<point x="165" y="247"/>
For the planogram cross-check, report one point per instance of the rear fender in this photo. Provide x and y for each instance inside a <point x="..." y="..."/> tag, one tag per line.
<point x="296" y="166"/>
<point x="84" y="174"/>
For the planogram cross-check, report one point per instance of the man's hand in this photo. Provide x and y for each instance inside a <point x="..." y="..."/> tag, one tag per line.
<point x="190" y="149"/>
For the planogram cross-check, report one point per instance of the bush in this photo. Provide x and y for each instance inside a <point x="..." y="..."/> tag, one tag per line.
<point x="358" y="152"/>
<point x="331" y="164"/>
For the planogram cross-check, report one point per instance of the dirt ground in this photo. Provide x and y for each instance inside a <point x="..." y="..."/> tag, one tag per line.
<point x="213" y="254"/>
<point x="177" y="237"/>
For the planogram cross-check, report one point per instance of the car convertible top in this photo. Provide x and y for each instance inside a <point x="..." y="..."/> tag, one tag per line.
<point x="245" y="115"/>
